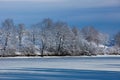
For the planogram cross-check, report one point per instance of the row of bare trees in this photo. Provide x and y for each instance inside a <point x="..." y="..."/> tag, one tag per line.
<point x="53" y="39"/>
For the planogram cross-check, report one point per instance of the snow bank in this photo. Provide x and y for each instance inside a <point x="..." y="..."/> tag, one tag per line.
<point x="61" y="56"/>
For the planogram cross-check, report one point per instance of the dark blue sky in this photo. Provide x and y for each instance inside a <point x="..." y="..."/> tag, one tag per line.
<point x="102" y="14"/>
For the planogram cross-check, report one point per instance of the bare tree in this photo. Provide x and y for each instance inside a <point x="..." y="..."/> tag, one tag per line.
<point x="7" y="28"/>
<point x="63" y="35"/>
<point x="53" y="38"/>
<point x="44" y="28"/>
<point x="8" y="37"/>
<point x="91" y="34"/>
<point x="21" y="31"/>
<point x="77" y="40"/>
<point x="117" y="39"/>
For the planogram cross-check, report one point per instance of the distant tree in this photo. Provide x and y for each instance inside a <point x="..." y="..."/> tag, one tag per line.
<point x="90" y="34"/>
<point x="77" y="40"/>
<point x="8" y="38"/>
<point x="54" y="38"/>
<point x="21" y="32"/>
<point x="7" y="30"/>
<point x="103" y="38"/>
<point x="62" y="37"/>
<point x="33" y="34"/>
<point x="117" y="39"/>
<point x="44" y="28"/>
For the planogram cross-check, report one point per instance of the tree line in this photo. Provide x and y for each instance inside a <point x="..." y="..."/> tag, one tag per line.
<point x="48" y="38"/>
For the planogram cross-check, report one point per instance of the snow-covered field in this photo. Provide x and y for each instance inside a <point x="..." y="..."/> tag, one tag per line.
<point x="60" y="68"/>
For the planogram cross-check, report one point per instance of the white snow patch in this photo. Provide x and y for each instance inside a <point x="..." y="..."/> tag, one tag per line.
<point x="17" y="53"/>
<point x="102" y="46"/>
<point x="37" y="53"/>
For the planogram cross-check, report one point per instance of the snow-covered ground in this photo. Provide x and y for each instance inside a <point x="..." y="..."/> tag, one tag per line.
<point x="60" y="68"/>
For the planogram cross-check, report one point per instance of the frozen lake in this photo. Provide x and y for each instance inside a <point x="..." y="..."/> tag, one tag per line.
<point x="60" y="68"/>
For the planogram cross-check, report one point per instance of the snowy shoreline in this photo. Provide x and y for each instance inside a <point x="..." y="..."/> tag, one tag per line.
<point x="61" y="56"/>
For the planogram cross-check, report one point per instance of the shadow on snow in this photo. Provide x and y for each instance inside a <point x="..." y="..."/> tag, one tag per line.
<point x="57" y="74"/>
